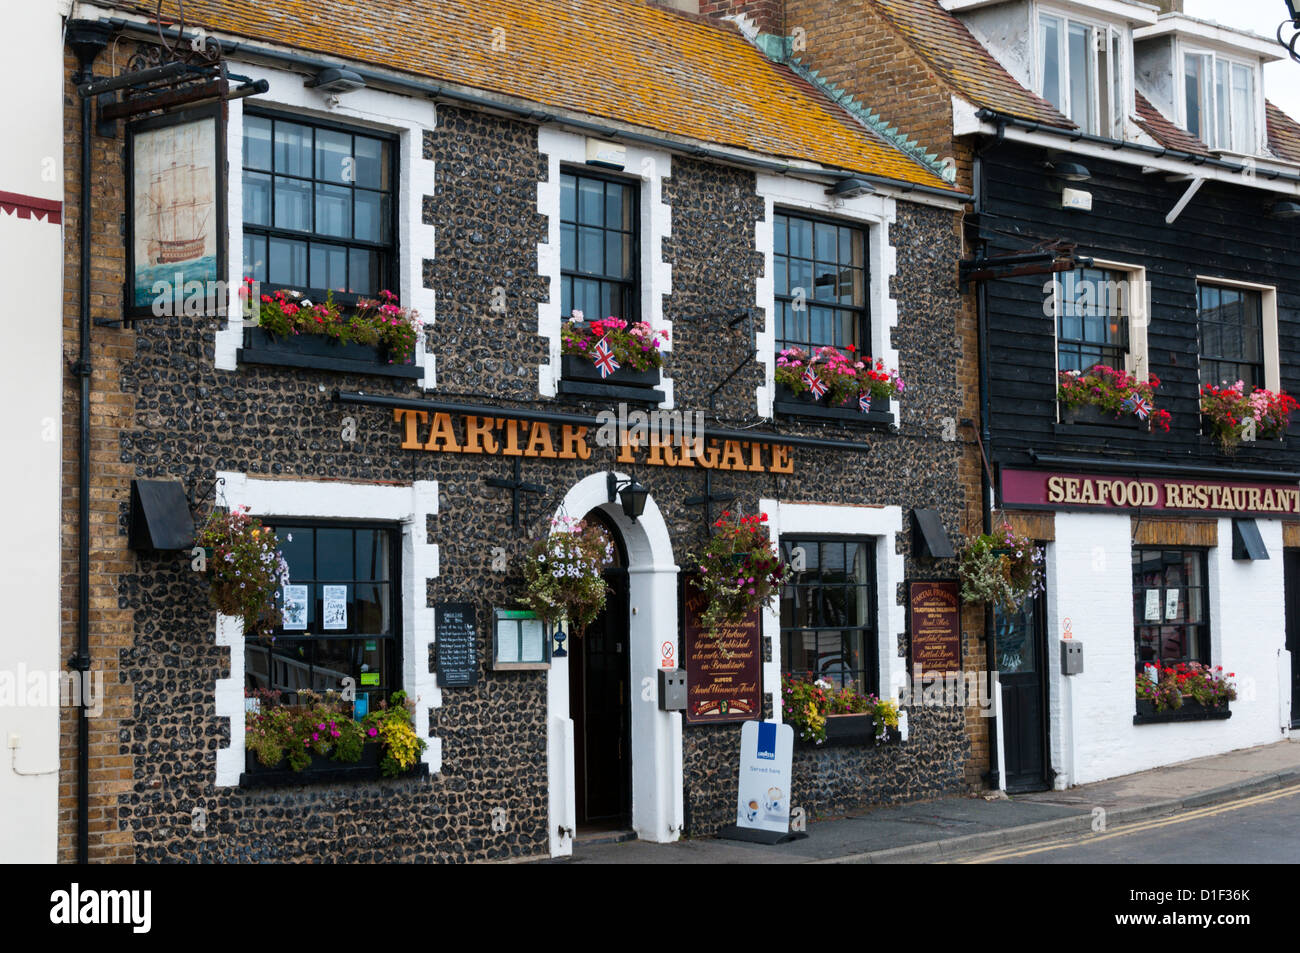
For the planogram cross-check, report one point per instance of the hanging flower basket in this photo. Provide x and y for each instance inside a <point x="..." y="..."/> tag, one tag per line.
<point x="245" y="570"/>
<point x="1000" y="568"/>
<point x="562" y="573"/>
<point x="740" y="570"/>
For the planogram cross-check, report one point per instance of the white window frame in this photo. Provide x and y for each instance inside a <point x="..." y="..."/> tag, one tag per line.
<point x="1139" y="298"/>
<point x="1256" y="139"/>
<point x="1268" y="309"/>
<point x="1103" y="34"/>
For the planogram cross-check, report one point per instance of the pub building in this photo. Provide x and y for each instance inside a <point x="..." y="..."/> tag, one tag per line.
<point x="1136" y="198"/>
<point x="479" y="166"/>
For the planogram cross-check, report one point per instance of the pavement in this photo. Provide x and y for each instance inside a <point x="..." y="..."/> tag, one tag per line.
<point x="947" y="828"/>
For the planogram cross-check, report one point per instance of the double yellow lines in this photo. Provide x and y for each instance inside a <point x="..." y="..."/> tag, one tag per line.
<point x="1086" y="839"/>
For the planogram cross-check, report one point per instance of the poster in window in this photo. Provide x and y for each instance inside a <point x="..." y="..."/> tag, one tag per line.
<point x="1152" y="606"/>
<point x="1171" y="604"/>
<point x="334" y="614"/>
<point x="177" y="214"/>
<point x="295" y="608"/>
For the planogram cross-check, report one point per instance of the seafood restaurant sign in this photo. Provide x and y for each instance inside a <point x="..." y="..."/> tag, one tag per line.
<point x="1045" y="489"/>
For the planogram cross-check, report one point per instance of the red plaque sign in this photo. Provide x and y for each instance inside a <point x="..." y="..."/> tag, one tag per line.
<point x="934" y="617"/>
<point x="723" y="666"/>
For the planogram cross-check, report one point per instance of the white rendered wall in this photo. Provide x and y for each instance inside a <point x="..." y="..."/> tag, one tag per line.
<point x="31" y="266"/>
<point x="1089" y="581"/>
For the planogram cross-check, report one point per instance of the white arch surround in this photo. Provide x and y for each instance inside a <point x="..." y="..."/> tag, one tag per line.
<point x="657" y="809"/>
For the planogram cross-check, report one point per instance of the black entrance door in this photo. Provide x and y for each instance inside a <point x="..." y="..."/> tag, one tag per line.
<point x="599" y="703"/>
<point x="1021" y="645"/>
<point x="1291" y="580"/>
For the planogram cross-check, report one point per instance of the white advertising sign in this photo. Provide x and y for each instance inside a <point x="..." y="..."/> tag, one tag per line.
<point x="766" y="750"/>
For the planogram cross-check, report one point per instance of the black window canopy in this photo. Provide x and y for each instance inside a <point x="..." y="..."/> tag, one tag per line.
<point x="160" y="516"/>
<point x="1246" y="541"/>
<point x="929" y="537"/>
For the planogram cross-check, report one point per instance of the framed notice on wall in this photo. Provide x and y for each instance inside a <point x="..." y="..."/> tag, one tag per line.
<point x="176" y="214"/>
<point x="723" y="665"/>
<point x="934" y="624"/>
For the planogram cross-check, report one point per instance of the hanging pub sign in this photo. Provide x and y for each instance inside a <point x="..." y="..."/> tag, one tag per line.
<point x="512" y="437"/>
<point x="723" y="665"/>
<point x="176" y="262"/>
<point x="934" y="622"/>
<point x="1045" y="489"/>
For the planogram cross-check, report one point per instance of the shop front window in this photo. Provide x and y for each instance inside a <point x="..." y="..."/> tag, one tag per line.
<point x="341" y="615"/>
<point x="828" y="617"/>
<point x="1170" y="606"/>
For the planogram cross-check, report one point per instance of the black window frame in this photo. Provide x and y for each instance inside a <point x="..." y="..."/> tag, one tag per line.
<point x="867" y="676"/>
<point x="391" y="677"/>
<point x="629" y="288"/>
<point x="390" y="250"/>
<point x="1198" y="641"/>
<point x="862" y="313"/>
<point x="1219" y="361"/>
<point x="1113" y="354"/>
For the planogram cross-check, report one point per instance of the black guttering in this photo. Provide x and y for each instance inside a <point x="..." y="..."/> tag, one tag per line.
<point x="1074" y="135"/>
<point x="1145" y="466"/>
<point x="538" y="114"/>
<point x="87" y="38"/>
<point x="581" y="420"/>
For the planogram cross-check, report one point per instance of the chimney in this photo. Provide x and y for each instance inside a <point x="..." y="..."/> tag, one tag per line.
<point x="767" y="15"/>
<point x="1170" y="6"/>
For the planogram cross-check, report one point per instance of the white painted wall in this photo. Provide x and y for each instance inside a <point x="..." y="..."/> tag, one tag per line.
<point x="407" y="117"/>
<point x="1089" y="581"/>
<point x="31" y="264"/>
<point x="408" y="505"/>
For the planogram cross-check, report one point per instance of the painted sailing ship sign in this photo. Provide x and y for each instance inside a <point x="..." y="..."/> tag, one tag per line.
<point x="176" y="218"/>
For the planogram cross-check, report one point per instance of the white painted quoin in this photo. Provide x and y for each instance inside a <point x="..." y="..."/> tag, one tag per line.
<point x="409" y="506"/>
<point x="31" y="264"/>
<point x="1090" y="582"/>
<point x="658" y="811"/>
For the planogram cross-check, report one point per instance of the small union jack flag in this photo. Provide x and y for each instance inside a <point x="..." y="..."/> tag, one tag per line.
<point x="864" y="403"/>
<point x="816" y="386"/>
<point x="1138" y="405"/>
<point x="604" y="358"/>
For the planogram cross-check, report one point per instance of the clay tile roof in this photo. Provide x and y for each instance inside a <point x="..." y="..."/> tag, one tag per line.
<point x="619" y="60"/>
<point x="963" y="62"/>
<point x="1283" y="133"/>
<point x="1165" y="132"/>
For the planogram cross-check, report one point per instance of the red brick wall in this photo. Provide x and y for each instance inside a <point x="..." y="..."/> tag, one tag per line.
<point x="767" y="14"/>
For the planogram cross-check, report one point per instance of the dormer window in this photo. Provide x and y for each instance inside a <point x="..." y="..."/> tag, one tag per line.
<point x="1081" y="72"/>
<point x="1219" y="101"/>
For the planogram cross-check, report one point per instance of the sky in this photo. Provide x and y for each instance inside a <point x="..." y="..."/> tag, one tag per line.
<point x="1282" y="79"/>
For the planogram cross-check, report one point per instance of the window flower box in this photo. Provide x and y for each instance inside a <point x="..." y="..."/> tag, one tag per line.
<point x="1191" y="710"/>
<point x="790" y="404"/>
<point x="1090" y="415"/>
<point x="576" y="368"/>
<point x="1107" y="397"/>
<point x="322" y="353"/>
<point x="635" y="348"/>
<point x="322" y="770"/>
<point x="858" y="730"/>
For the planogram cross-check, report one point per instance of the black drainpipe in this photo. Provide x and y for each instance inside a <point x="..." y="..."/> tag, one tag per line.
<point x="986" y="486"/>
<point x="86" y="38"/>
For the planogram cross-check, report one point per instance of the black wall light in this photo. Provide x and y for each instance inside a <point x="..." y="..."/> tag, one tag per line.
<point x="850" y="188"/>
<point x="1069" y="171"/>
<point x="336" y="80"/>
<point x="1284" y="210"/>
<point x="630" y="493"/>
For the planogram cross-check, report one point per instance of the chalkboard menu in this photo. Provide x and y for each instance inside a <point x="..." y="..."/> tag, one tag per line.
<point x="722" y="665"/>
<point x="454" y="645"/>
<point x="934" y="616"/>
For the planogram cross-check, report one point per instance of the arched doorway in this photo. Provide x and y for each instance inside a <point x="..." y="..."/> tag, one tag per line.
<point x="600" y="703"/>
<point x="654" y="738"/>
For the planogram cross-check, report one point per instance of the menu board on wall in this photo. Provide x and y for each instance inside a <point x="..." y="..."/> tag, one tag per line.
<point x="454" y="646"/>
<point x="723" y="665"/>
<point x="934" y="617"/>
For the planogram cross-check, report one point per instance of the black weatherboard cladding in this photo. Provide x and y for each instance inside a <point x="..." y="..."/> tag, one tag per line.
<point x="1223" y="232"/>
<point x="266" y="421"/>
